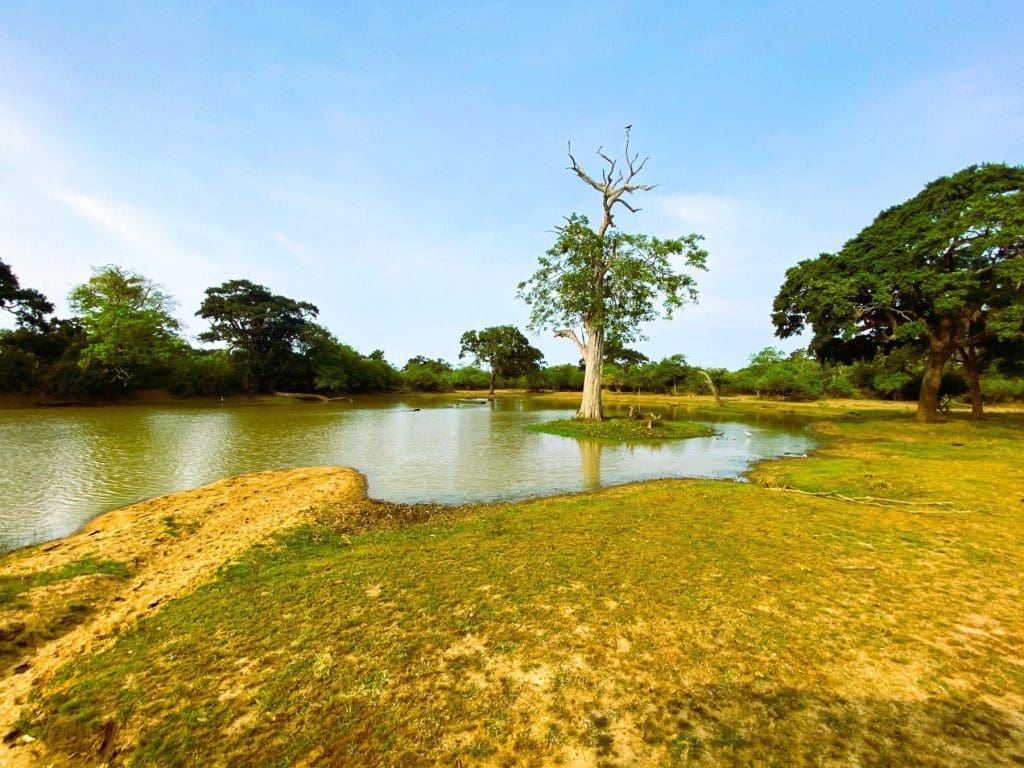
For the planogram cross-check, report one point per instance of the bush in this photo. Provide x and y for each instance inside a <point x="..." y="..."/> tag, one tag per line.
<point x="996" y="389"/>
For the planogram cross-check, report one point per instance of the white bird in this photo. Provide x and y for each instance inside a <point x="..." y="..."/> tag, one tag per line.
<point x="748" y="434"/>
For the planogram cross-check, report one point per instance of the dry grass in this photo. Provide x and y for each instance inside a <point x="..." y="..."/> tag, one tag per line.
<point x="666" y="623"/>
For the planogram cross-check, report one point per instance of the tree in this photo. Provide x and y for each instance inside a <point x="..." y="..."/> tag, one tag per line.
<point x="28" y="306"/>
<point x="262" y="328"/>
<point x="130" y="331"/>
<point x="425" y="375"/>
<point x="945" y="269"/>
<point x="606" y="282"/>
<point x="503" y="348"/>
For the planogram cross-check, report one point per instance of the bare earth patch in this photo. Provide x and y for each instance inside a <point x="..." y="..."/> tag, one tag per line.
<point x="172" y="544"/>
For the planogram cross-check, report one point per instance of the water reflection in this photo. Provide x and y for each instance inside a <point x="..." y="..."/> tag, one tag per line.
<point x="590" y="462"/>
<point x="62" y="467"/>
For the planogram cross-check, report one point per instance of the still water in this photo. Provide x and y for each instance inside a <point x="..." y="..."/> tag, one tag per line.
<point x="61" y="467"/>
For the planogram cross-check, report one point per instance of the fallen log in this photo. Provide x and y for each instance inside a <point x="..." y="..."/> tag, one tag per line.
<point x="312" y="396"/>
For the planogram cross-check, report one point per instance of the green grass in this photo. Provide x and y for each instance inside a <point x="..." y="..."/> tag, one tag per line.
<point x="667" y="623"/>
<point x="12" y="587"/>
<point x="623" y="430"/>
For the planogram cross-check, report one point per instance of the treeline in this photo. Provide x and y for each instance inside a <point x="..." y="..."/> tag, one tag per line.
<point x="123" y="337"/>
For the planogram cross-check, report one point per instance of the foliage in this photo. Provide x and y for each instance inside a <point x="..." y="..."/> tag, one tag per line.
<point x="337" y="367"/>
<point x="636" y="273"/>
<point x="771" y="373"/>
<point x="264" y="329"/>
<point x="944" y="270"/>
<point x="206" y="373"/>
<point x="1001" y="390"/>
<point x="422" y="374"/>
<point x="561" y="378"/>
<point x="130" y="331"/>
<point x="469" y="377"/>
<point x="503" y="348"/>
<point x="28" y="306"/>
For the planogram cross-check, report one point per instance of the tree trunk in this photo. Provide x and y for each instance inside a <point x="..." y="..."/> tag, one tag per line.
<point x="593" y="354"/>
<point x="493" y="377"/>
<point x="970" y="358"/>
<point x="711" y="386"/>
<point x="940" y="349"/>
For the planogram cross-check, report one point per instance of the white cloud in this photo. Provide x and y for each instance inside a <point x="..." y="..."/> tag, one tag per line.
<point x="295" y="249"/>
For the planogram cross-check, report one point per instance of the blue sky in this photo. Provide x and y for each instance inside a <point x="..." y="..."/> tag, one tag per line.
<point x="402" y="165"/>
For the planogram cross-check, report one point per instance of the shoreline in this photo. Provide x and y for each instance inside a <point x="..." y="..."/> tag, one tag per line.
<point x="175" y="544"/>
<point x="170" y="545"/>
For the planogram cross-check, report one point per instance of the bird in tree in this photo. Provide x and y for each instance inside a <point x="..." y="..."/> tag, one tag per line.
<point x="605" y="282"/>
<point x="504" y="348"/>
<point x="944" y="270"/>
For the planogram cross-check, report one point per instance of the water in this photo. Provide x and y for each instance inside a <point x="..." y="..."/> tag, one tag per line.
<point x="62" y="467"/>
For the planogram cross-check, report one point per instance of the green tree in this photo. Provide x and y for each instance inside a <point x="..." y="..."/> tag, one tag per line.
<point x="262" y="328"/>
<point x="606" y="282"/>
<point x="945" y="269"/>
<point x="503" y="348"/>
<point x="28" y="306"/>
<point x="130" y="331"/>
<point x="425" y="375"/>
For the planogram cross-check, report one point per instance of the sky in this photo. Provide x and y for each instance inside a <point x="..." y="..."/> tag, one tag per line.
<point x="403" y="165"/>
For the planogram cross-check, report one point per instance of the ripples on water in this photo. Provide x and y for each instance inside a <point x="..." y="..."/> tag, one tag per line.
<point x="62" y="467"/>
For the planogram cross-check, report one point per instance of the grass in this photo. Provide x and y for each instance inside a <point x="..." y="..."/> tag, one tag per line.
<point x="623" y="430"/>
<point x="13" y="587"/>
<point x="666" y="623"/>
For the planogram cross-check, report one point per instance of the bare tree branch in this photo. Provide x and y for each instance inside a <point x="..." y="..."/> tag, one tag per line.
<point x="614" y="181"/>
<point x="568" y="333"/>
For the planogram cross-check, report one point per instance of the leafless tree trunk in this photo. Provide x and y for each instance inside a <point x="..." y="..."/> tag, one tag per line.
<point x="711" y="385"/>
<point x="613" y="184"/>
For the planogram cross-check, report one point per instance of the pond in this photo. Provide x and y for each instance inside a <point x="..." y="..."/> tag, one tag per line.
<point x="62" y="467"/>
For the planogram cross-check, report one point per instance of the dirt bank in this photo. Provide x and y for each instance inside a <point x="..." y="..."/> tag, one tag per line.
<point x="166" y="546"/>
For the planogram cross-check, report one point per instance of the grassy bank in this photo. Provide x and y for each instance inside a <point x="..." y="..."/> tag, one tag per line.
<point x="665" y="623"/>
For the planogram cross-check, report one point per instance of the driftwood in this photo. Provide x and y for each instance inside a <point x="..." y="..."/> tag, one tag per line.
<point x="634" y="413"/>
<point x="653" y="420"/>
<point x="312" y="396"/>
<point x="876" y="501"/>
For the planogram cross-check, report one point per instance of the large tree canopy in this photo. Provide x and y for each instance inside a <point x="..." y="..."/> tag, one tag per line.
<point x="605" y="282"/>
<point x="130" y="331"/>
<point x="503" y="348"/>
<point x="27" y="305"/>
<point x="264" y="329"/>
<point x="944" y="270"/>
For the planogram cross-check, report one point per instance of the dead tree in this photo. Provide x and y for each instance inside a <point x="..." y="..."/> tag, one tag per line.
<point x="615" y="182"/>
<point x="711" y="385"/>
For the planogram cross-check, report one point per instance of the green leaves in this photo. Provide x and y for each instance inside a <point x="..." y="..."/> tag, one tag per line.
<point x="262" y="327"/>
<point x="954" y="253"/>
<point x="614" y="283"/>
<point x="128" y="324"/>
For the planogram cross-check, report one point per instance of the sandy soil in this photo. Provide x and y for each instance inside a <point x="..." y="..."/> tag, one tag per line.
<point x="173" y="544"/>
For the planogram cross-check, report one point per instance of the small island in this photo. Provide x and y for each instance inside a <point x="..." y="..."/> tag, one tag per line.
<point x="624" y="429"/>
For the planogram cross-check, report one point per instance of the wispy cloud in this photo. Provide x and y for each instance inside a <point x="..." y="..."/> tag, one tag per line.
<point x="295" y="249"/>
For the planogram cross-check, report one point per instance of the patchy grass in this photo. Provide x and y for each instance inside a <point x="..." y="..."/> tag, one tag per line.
<point x="666" y="623"/>
<point x="623" y="430"/>
<point x="13" y="587"/>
